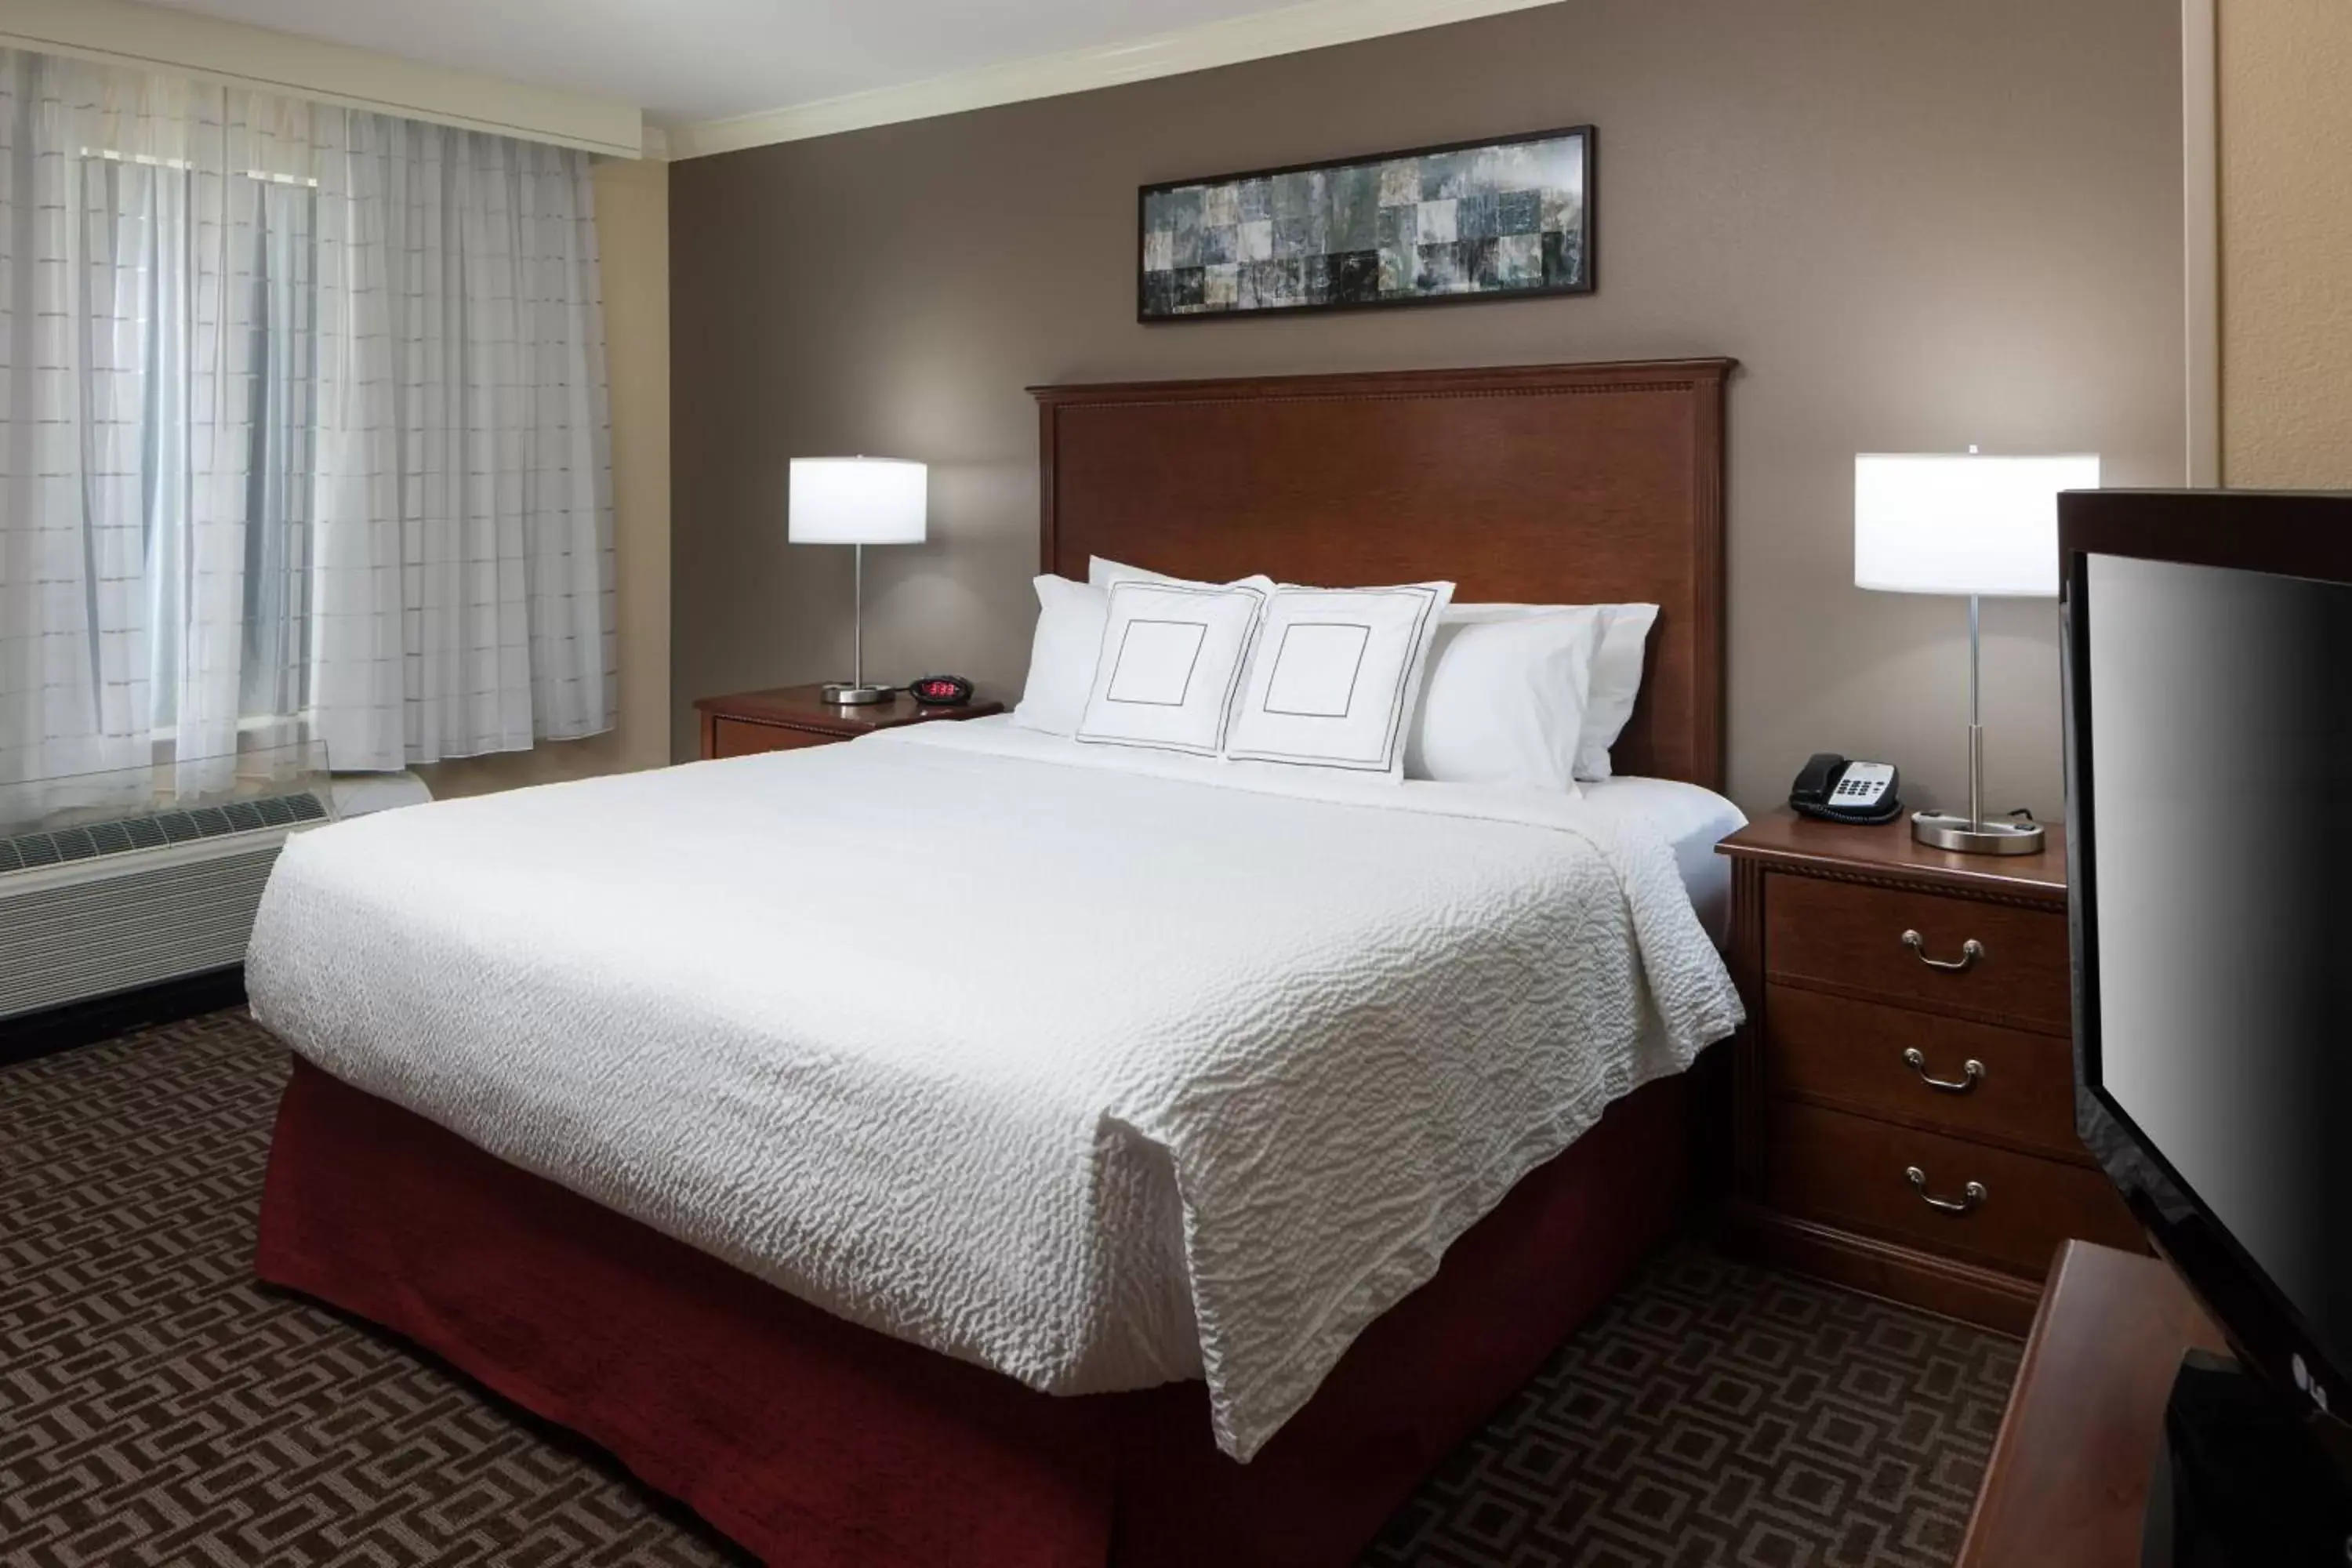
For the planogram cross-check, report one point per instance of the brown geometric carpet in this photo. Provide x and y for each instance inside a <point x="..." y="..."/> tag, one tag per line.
<point x="157" y="1406"/>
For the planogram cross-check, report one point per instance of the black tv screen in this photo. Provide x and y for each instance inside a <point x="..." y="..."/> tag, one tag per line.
<point x="2209" y="745"/>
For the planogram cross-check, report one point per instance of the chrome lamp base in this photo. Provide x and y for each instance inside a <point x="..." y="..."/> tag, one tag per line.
<point x="1943" y="831"/>
<point x="1972" y="835"/>
<point x="854" y="693"/>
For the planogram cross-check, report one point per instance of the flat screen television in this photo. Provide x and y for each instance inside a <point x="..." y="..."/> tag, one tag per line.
<point x="2208" y="672"/>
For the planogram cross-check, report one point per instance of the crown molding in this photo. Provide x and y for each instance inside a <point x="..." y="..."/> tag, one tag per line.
<point x="155" y="38"/>
<point x="1319" y="24"/>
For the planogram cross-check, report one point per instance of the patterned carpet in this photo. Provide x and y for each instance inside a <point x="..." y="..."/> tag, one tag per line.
<point x="156" y="1407"/>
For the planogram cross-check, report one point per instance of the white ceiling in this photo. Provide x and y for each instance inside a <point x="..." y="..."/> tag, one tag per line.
<point x="689" y="60"/>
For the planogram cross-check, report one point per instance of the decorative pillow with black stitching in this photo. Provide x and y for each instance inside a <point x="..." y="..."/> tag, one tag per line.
<point x="1334" y="676"/>
<point x="1172" y="656"/>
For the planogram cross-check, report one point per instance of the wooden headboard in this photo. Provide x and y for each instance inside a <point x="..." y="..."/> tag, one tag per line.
<point x="1575" y="484"/>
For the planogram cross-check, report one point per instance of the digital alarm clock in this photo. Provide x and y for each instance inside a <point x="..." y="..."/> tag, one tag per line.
<point x="940" y="690"/>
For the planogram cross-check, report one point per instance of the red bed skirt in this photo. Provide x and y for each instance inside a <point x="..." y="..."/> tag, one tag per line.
<point x="812" y="1441"/>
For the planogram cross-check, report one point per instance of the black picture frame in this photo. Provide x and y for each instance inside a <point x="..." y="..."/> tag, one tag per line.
<point x="1353" y="279"/>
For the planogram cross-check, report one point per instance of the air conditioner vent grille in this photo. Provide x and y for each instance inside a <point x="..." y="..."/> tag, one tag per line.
<point x="32" y="851"/>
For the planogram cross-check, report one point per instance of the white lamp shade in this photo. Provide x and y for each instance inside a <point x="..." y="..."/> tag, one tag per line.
<point x="1962" y="523"/>
<point x="858" y="500"/>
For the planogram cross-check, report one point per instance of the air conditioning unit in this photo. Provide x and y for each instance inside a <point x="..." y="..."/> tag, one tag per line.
<point x="105" y="906"/>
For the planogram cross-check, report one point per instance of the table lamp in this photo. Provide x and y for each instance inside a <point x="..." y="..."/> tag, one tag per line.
<point x="1946" y="523"/>
<point x="857" y="501"/>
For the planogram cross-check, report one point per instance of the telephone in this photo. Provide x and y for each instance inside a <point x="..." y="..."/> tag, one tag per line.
<point x="1837" y="790"/>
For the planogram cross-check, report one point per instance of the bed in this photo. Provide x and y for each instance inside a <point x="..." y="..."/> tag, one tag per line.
<point x="1275" y="1131"/>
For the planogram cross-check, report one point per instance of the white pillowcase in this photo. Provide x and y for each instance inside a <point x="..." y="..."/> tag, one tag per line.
<point x="1107" y="574"/>
<point x="1506" y="700"/>
<point x="1616" y="685"/>
<point x="1616" y="682"/>
<point x="1335" y="676"/>
<point x="1173" y="654"/>
<point x="1062" y="656"/>
<point x="1102" y="574"/>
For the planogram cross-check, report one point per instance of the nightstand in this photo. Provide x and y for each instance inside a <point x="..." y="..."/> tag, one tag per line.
<point x="1904" y="1090"/>
<point x="785" y="717"/>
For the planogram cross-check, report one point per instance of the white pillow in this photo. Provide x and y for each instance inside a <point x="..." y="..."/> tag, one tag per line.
<point x="1105" y="574"/>
<point x="1062" y="656"/>
<point x="1616" y="672"/>
<point x="1171" y="656"/>
<point x="1102" y="574"/>
<point x="1336" y="675"/>
<point x="1505" y="698"/>
<point x="1616" y="685"/>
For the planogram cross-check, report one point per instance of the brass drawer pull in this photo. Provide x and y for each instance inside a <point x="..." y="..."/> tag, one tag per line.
<point x="1973" y="1072"/>
<point x="1970" y="1195"/>
<point x="1970" y="951"/>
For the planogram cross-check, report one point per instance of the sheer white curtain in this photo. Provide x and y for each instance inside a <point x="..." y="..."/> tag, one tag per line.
<point x="75" y="645"/>
<point x="303" y="417"/>
<point x="464" y="575"/>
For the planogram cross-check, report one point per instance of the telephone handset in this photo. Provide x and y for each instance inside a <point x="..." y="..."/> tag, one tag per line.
<point x="1836" y="790"/>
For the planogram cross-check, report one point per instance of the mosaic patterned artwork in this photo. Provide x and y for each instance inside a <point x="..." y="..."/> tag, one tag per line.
<point x="1485" y="220"/>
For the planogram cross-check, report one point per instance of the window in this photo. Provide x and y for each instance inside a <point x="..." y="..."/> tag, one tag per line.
<point x="187" y="321"/>
<point x="301" y="420"/>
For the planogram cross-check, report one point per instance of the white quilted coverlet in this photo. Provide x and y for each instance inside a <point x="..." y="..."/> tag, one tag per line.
<point x="1215" y="1060"/>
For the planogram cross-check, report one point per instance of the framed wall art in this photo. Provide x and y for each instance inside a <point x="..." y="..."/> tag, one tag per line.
<point x="1471" y="220"/>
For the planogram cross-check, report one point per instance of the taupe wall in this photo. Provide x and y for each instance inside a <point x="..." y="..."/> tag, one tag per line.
<point x="1918" y="225"/>
<point x="2286" y="242"/>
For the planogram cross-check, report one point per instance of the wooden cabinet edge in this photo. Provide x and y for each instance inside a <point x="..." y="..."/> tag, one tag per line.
<point x="1925" y="1281"/>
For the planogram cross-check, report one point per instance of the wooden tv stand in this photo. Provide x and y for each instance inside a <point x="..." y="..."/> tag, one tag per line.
<point x="2069" y="1473"/>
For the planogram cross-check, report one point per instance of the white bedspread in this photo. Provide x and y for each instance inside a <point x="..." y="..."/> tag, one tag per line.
<point x="1100" y="1077"/>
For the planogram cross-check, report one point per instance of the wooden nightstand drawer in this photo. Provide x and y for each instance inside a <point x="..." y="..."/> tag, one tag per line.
<point x="1849" y="937"/>
<point x="1830" y="1114"/>
<point x="1853" y="1171"/>
<point x="1851" y="1054"/>
<point x="733" y="737"/>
